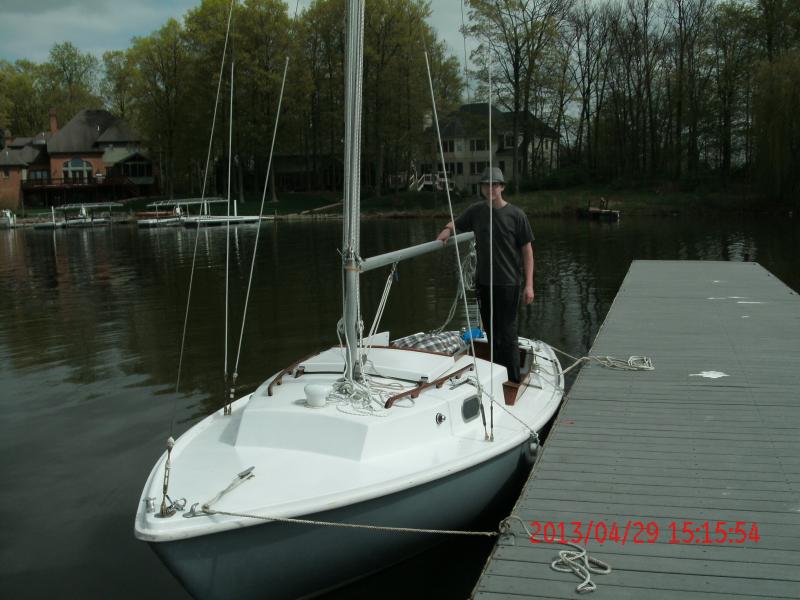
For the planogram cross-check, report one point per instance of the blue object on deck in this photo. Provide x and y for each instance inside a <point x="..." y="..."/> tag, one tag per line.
<point x="472" y="334"/>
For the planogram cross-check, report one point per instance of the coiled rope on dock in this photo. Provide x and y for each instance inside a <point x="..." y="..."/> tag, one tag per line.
<point x="577" y="560"/>
<point x="633" y="363"/>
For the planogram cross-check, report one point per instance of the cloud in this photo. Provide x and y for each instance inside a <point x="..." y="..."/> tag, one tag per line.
<point x="31" y="28"/>
<point x="42" y="7"/>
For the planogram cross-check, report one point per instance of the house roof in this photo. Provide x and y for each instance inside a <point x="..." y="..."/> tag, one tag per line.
<point x="113" y="156"/>
<point x="19" y="142"/>
<point x="472" y="120"/>
<point x="538" y="127"/>
<point x="11" y="158"/>
<point x="481" y="109"/>
<point x="23" y="151"/>
<point x="118" y="132"/>
<point x="84" y="130"/>
<point x="30" y="153"/>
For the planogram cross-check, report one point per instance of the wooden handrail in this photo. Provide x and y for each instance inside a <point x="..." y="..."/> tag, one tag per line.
<point x="423" y="385"/>
<point x="288" y="370"/>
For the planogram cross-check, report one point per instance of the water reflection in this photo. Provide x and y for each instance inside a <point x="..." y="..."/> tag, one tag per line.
<point x="90" y="324"/>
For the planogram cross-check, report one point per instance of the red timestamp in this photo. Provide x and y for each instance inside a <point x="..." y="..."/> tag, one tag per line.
<point x="644" y="532"/>
<point x="713" y="532"/>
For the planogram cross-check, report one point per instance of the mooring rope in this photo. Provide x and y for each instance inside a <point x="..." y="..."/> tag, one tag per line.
<point x="385" y="528"/>
<point x="577" y="560"/>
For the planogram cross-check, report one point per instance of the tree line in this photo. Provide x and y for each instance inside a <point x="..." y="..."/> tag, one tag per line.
<point x="686" y="91"/>
<point x="165" y="84"/>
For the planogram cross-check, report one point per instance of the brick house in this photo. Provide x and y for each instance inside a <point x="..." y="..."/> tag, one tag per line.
<point x="11" y="166"/>
<point x="95" y="157"/>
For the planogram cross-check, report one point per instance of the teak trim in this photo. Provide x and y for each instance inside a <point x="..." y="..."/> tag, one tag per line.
<point x="287" y="371"/>
<point x="424" y="384"/>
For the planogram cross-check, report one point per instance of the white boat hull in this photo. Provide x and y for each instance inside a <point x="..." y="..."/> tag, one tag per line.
<point x="289" y="560"/>
<point x="165" y="222"/>
<point x="424" y="464"/>
<point x="72" y="223"/>
<point x="210" y="220"/>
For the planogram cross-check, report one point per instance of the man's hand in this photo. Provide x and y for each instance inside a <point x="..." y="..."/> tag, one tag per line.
<point x="444" y="235"/>
<point x="527" y="296"/>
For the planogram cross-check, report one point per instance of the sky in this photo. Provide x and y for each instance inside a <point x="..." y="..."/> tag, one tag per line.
<point x="29" y="28"/>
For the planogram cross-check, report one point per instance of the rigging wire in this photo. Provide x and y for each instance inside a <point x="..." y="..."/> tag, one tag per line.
<point x="228" y="222"/>
<point x="491" y="255"/>
<point x="453" y="221"/>
<point x="197" y="229"/>
<point x="260" y="219"/>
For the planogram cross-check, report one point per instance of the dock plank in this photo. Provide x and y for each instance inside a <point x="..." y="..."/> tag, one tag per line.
<point x="670" y="446"/>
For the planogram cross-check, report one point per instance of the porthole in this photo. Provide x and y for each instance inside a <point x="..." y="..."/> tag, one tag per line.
<point x="470" y="409"/>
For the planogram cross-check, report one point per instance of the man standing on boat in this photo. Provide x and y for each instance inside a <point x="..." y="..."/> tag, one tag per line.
<point x="511" y="272"/>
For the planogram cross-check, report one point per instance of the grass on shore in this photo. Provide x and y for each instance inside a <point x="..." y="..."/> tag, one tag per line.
<point x="643" y="201"/>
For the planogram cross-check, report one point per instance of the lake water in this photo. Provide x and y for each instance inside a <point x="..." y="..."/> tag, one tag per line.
<point x="90" y="326"/>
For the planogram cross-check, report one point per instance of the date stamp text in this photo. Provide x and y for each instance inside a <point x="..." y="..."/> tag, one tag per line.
<point x="645" y="532"/>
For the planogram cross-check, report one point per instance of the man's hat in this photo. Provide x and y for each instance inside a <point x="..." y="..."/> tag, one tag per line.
<point x="495" y="175"/>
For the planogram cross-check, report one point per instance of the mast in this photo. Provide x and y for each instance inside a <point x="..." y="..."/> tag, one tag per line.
<point x="351" y="237"/>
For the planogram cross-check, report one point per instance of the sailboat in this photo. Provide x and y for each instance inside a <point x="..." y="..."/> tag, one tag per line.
<point x="352" y="458"/>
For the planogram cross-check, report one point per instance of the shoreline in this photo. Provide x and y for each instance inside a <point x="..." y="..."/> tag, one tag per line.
<point x="567" y="213"/>
<point x="562" y="204"/>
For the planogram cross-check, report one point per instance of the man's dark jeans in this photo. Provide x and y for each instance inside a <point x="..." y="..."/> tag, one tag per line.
<point x="504" y="337"/>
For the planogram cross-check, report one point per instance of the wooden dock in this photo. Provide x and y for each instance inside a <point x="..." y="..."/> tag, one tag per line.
<point x="673" y="446"/>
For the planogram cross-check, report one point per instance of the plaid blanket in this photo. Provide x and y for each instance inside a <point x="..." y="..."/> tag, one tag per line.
<point x="447" y="342"/>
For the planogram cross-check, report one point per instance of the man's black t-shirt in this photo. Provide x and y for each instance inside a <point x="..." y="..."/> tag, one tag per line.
<point x="511" y="231"/>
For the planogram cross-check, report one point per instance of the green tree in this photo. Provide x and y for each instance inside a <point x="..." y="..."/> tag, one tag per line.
<point x="734" y="52"/>
<point x="320" y="62"/>
<point x="396" y="91"/>
<point x="22" y="103"/>
<point x="72" y="78"/>
<point x="262" y="46"/>
<point x="163" y="67"/>
<point x="117" y="86"/>
<point x="777" y="126"/>
<point x="516" y="37"/>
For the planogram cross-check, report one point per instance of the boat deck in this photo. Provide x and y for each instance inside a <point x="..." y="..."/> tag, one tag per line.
<point x="674" y="448"/>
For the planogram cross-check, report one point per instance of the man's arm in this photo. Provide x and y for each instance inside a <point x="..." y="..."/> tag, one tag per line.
<point x="445" y="233"/>
<point x="527" y="263"/>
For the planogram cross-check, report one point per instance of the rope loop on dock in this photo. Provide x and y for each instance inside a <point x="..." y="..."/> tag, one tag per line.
<point x="633" y="363"/>
<point x="577" y="560"/>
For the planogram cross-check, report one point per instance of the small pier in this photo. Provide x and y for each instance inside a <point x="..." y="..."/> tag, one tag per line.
<point x="706" y="443"/>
